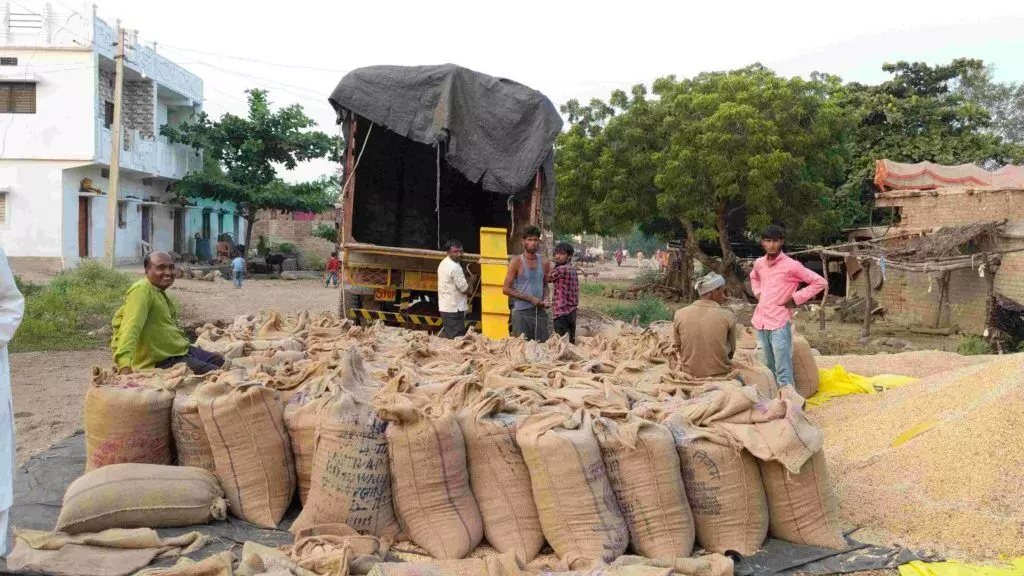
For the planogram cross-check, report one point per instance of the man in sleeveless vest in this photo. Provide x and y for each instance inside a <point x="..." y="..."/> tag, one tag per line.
<point x="526" y="283"/>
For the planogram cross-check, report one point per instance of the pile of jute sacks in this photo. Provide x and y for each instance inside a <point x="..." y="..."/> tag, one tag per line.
<point x="594" y="449"/>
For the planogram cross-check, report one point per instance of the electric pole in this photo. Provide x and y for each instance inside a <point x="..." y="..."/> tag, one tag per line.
<point x="116" y="142"/>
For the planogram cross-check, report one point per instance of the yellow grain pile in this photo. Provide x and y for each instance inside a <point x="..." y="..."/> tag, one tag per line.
<point x="938" y="463"/>
<point x="917" y="364"/>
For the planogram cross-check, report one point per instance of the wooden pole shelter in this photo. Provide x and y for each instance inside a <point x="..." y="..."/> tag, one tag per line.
<point x="868" y="305"/>
<point x="824" y="293"/>
<point x="943" y="298"/>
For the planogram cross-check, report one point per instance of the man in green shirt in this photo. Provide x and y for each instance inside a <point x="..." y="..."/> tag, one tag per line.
<point x="146" y="332"/>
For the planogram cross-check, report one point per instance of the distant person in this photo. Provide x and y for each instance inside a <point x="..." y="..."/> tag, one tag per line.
<point x="238" y="269"/>
<point x="333" y="265"/>
<point x="526" y="282"/>
<point x="223" y="248"/>
<point x="567" y="292"/>
<point x="453" y="290"/>
<point x="146" y="333"/>
<point x="776" y="280"/>
<point x="704" y="332"/>
<point x="639" y="259"/>
<point x="618" y="257"/>
<point x="12" y="309"/>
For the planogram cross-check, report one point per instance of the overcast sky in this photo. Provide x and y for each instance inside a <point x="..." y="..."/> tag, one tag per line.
<point x="564" y="48"/>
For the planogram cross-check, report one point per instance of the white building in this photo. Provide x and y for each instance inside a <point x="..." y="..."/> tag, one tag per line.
<point x="56" y="108"/>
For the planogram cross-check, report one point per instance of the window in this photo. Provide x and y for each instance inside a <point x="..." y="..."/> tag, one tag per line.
<point x="108" y="114"/>
<point x="3" y="210"/>
<point x="122" y="214"/>
<point x="17" y="98"/>
<point x="8" y="61"/>
<point x="104" y="172"/>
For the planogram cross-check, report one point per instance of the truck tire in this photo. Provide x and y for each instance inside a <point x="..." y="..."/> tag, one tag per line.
<point x="348" y="302"/>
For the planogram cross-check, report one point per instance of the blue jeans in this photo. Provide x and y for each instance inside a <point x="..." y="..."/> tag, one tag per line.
<point x="331" y="277"/>
<point x="778" y="353"/>
<point x="237" y="275"/>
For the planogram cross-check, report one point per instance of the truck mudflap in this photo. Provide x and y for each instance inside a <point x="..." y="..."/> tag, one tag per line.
<point x="406" y="320"/>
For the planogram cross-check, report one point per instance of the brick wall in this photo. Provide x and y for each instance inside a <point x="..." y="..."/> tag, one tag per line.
<point x="906" y="297"/>
<point x="298" y="232"/>
<point x="139" y="109"/>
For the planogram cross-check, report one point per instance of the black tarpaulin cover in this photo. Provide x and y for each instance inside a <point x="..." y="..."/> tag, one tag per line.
<point x="498" y="132"/>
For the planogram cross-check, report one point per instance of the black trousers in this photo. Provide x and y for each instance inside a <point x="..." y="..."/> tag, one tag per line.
<point x="198" y="360"/>
<point x="453" y="324"/>
<point x="566" y="324"/>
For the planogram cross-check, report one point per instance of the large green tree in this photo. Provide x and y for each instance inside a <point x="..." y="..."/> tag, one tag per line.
<point x="241" y="157"/>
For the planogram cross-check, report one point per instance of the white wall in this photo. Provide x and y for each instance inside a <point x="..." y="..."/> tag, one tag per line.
<point x="34" y="200"/>
<point x="64" y="125"/>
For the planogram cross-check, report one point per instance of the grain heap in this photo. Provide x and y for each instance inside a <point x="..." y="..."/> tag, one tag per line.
<point x="375" y="424"/>
<point x="937" y="463"/>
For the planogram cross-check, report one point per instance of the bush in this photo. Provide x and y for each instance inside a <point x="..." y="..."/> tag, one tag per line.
<point x="646" y="310"/>
<point x="648" y="277"/>
<point x="316" y="262"/>
<point x="973" y="345"/>
<point x="286" y="248"/>
<point x="326" y="232"/>
<point x="73" y="311"/>
<point x="592" y="289"/>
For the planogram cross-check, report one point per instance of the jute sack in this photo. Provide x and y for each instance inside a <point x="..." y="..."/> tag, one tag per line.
<point x="429" y="477"/>
<point x="500" y="478"/>
<point x="127" y="422"/>
<point x="141" y="496"/>
<point x="351" y="480"/>
<point x="805" y="369"/>
<point x="643" y="468"/>
<point x="578" y="511"/>
<point x="191" y="445"/>
<point x="754" y="373"/>
<point x="250" y="446"/>
<point x="300" y="418"/>
<point x="725" y="493"/>
<point x="803" y="508"/>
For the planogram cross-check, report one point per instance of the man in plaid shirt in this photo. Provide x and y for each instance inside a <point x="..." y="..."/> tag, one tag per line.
<point x="567" y="292"/>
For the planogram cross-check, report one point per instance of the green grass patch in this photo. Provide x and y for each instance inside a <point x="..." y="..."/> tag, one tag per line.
<point x="592" y="289"/>
<point x="973" y="345"/>
<point x="61" y="315"/>
<point x="646" y="310"/>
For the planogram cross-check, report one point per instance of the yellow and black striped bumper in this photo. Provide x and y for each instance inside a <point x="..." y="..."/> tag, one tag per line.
<point x="407" y="320"/>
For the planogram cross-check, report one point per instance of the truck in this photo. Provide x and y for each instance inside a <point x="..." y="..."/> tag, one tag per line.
<point x="434" y="153"/>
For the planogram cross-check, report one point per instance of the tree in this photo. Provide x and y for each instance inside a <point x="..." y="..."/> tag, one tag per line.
<point x="1003" y="101"/>
<point x="241" y="155"/>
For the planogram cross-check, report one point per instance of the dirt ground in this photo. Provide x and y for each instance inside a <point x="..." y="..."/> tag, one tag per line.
<point x="49" y="387"/>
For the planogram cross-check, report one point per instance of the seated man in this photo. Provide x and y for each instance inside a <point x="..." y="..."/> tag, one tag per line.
<point x="704" y="332"/>
<point x="146" y="332"/>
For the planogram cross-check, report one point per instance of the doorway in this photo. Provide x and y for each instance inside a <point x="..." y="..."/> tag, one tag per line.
<point x="179" y="232"/>
<point x="83" y="226"/>
<point x="147" y="224"/>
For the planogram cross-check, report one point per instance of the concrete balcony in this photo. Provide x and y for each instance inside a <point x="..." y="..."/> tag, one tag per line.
<point x="147" y="62"/>
<point x="149" y="156"/>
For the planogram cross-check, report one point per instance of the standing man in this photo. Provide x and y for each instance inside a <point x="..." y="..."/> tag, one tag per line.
<point x="452" y="292"/>
<point x="527" y="284"/>
<point x="238" y="268"/>
<point x="567" y="292"/>
<point x="776" y="280"/>
<point x="12" y="308"/>
<point x="705" y="332"/>
<point x="146" y="332"/>
<point x="333" y="265"/>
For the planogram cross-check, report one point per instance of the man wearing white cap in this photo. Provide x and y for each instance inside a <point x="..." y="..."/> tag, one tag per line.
<point x="704" y="332"/>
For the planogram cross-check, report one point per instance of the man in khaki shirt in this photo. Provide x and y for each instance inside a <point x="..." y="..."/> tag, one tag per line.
<point x="704" y="332"/>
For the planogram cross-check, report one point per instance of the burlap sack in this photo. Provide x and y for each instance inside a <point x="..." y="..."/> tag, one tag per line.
<point x="496" y="565"/>
<point x="725" y="493"/>
<point x="643" y="468"/>
<point x="803" y="508"/>
<point x="191" y="445"/>
<point x="126" y="422"/>
<point x="805" y="370"/>
<point x="141" y="496"/>
<point x="500" y="478"/>
<point x="250" y="446"/>
<point x="300" y="418"/>
<point x="429" y="477"/>
<point x="351" y="479"/>
<point x="754" y="373"/>
<point x="578" y="511"/>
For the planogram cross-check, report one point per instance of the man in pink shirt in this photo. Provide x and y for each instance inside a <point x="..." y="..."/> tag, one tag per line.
<point x="776" y="281"/>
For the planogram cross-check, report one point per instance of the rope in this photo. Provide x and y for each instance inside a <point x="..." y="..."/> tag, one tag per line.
<point x="437" y="206"/>
<point x="341" y="235"/>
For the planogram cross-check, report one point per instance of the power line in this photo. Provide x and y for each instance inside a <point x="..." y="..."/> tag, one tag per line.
<point x="257" y="61"/>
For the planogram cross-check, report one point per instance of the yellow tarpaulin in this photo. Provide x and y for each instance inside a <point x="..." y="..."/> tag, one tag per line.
<point x="953" y="568"/>
<point x="838" y="382"/>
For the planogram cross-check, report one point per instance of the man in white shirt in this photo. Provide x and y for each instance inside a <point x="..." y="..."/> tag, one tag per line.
<point x="12" y="308"/>
<point x="452" y="292"/>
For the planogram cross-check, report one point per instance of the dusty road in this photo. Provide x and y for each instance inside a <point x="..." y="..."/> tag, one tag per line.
<point x="49" y="387"/>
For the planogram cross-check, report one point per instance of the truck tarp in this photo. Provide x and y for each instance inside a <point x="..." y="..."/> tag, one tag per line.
<point x="497" y="132"/>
